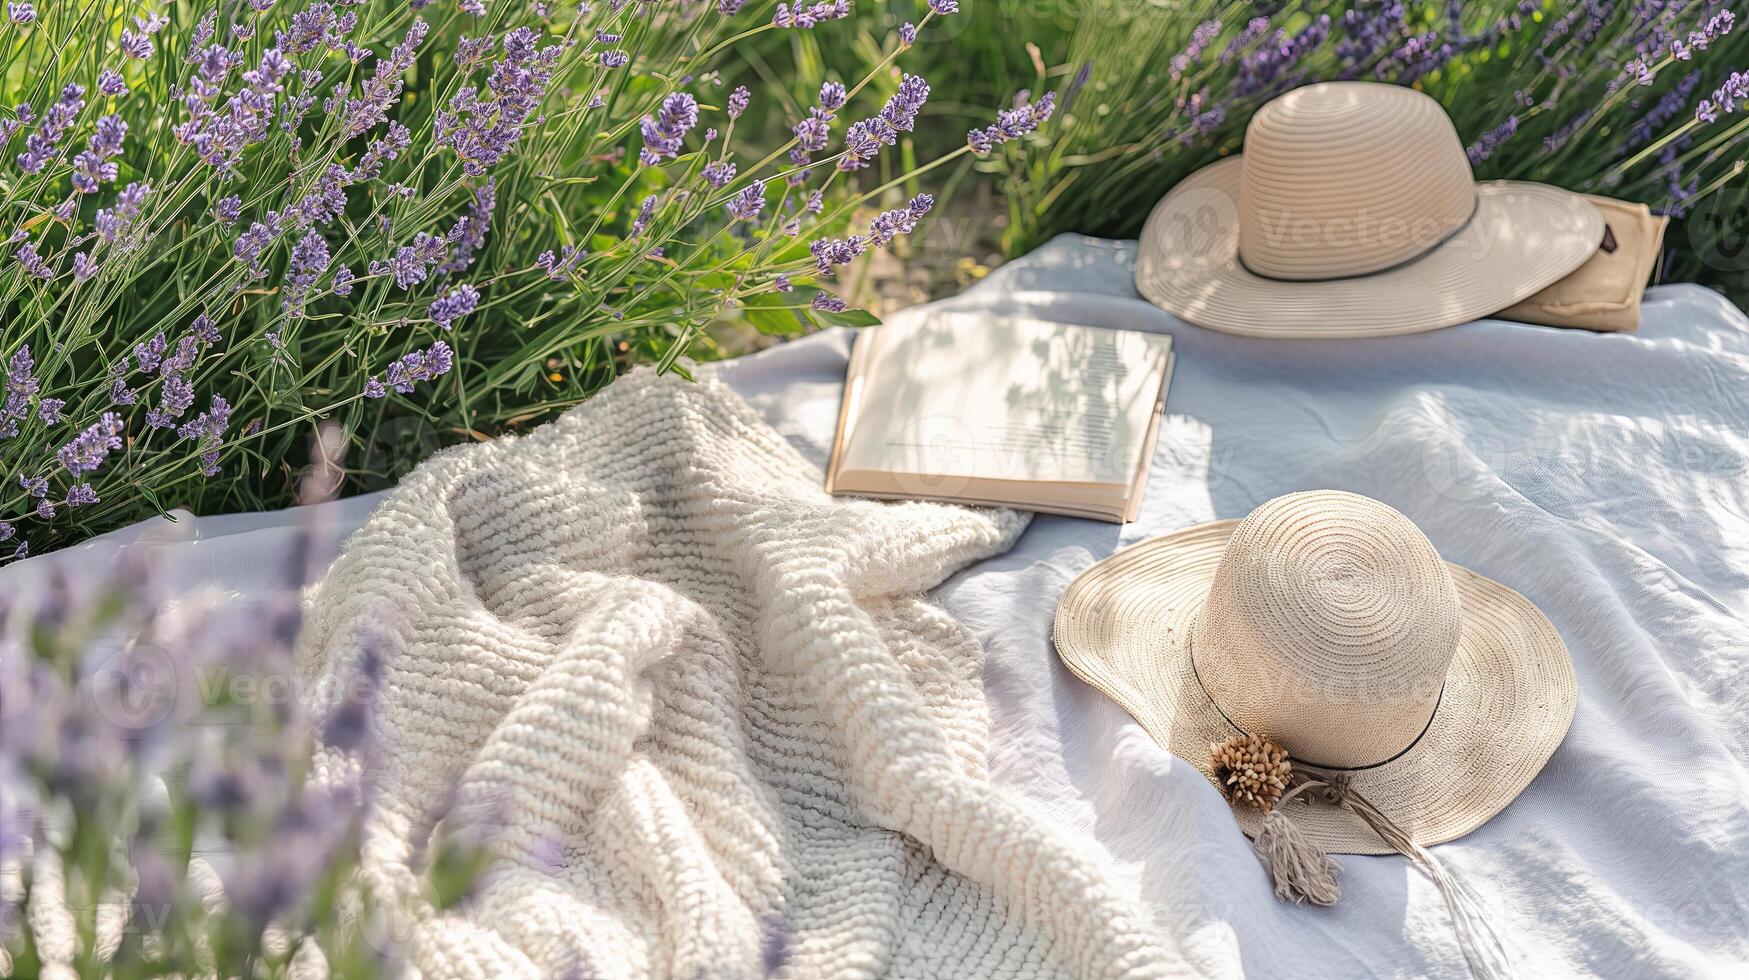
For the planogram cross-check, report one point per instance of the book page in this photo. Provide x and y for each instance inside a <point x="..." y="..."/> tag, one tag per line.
<point x="977" y="396"/>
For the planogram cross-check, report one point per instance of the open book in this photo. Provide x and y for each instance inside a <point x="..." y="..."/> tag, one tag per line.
<point x="1002" y="411"/>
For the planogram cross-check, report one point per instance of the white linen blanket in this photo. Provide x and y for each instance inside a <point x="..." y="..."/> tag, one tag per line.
<point x="699" y="712"/>
<point x="1606" y="477"/>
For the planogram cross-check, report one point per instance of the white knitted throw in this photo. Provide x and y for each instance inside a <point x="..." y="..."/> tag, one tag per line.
<point x="706" y="716"/>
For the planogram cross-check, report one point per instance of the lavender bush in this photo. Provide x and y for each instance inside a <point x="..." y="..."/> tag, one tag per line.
<point x="226" y="224"/>
<point x="1637" y="100"/>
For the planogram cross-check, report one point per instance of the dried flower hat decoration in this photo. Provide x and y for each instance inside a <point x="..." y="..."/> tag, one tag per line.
<point x="1347" y="690"/>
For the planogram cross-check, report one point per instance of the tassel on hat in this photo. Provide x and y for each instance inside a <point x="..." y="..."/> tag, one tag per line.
<point x="1253" y="770"/>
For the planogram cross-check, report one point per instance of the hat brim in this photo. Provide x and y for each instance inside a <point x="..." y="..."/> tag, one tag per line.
<point x="1508" y="700"/>
<point x="1522" y="238"/>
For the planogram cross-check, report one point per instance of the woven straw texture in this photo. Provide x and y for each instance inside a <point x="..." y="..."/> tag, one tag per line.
<point x="701" y="712"/>
<point x="1353" y="213"/>
<point x="1326" y="621"/>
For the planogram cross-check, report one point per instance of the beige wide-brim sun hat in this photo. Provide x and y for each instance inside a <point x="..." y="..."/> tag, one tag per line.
<point x="1351" y="591"/>
<point x="1353" y="213"/>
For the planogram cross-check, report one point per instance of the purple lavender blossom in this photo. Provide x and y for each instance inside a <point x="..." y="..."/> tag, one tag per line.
<point x="309" y="259"/>
<point x="119" y="392"/>
<point x="85" y="452"/>
<point x="728" y="8"/>
<point x="1725" y="97"/>
<point x="1484" y="148"/>
<point x="412" y="368"/>
<point x="805" y="18"/>
<point x="646" y="213"/>
<point x="21" y="13"/>
<point x="901" y="110"/>
<point x="36" y="486"/>
<point x="832" y="95"/>
<point x="150" y="354"/>
<point x="781" y="283"/>
<point x="945" y="7"/>
<point x="746" y="205"/>
<point x="21" y="386"/>
<point x="84" y="266"/>
<point x="739" y="100"/>
<point x="832" y="252"/>
<point x="208" y="428"/>
<point x="899" y="221"/>
<point x="113" y="223"/>
<point x="1200" y="39"/>
<point x="562" y="265"/>
<point x="383" y="88"/>
<point x="907" y="34"/>
<point x="1011" y="124"/>
<point x="110" y="83"/>
<point x="249" y="247"/>
<point x="453" y="305"/>
<point x="613" y="59"/>
<point x="718" y="173"/>
<point x="33" y="263"/>
<point x="829" y="304"/>
<point x="42" y="146"/>
<point x="205" y="330"/>
<point x="483" y="131"/>
<point x="81" y="495"/>
<point x="343" y="281"/>
<point x="665" y="132"/>
<point x="48" y="411"/>
<point x="228" y="209"/>
<point x="136" y="45"/>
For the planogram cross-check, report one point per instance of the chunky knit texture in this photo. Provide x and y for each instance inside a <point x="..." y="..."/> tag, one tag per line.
<point x="701" y="712"/>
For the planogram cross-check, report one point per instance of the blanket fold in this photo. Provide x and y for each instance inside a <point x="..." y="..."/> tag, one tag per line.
<point x="700" y="714"/>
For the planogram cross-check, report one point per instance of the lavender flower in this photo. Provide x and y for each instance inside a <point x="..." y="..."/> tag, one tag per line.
<point x="900" y="221"/>
<point x="383" y="88"/>
<point x="1011" y="124"/>
<point x="739" y="99"/>
<point x="81" y="495"/>
<point x="228" y="209"/>
<point x="48" y="411"/>
<point x="804" y="18"/>
<point x="718" y="174"/>
<point x="781" y="283"/>
<point x="309" y="259"/>
<point x="613" y="59"/>
<point x="560" y="266"/>
<point x="205" y="330"/>
<point x="84" y="266"/>
<point x="901" y="110"/>
<point x="907" y="34"/>
<point x="150" y="353"/>
<point x="113" y="223"/>
<point x="832" y="95"/>
<point x="483" y="131"/>
<point x="944" y="7"/>
<point x="119" y="392"/>
<point x="1484" y="148"/>
<point x="32" y="262"/>
<point x="208" y="428"/>
<point x="36" y="486"/>
<point x="412" y="368"/>
<point x="20" y="13"/>
<point x="664" y="133"/>
<point x="1724" y="100"/>
<point x="45" y="143"/>
<point x="728" y="8"/>
<point x="831" y="252"/>
<point x="1200" y="39"/>
<point x="87" y="450"/>
<point x="746" y="205"/>
<point x="646" y="212"/>
<point x="830" y="304"/>
<point x="21" y="386"/>
<point x="343" y="281"/>
<point x="453" y="305"/>
<point x="110" y="83"/>
<point x="137" y="45"/>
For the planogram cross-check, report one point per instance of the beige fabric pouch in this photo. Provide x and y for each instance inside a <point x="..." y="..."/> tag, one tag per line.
<point x="1604" y="293"/>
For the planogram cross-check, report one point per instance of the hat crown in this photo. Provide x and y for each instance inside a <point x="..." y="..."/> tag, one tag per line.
<point x="1349" y="178"/>
<point x="1329" y="627"/>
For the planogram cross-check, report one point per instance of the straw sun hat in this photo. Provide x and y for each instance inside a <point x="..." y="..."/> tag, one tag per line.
<point x="1353" y="213"/>
<point x="1325" y="625"/>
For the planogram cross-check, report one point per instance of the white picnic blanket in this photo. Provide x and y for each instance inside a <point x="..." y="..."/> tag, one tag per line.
<point x="1604" y="476"/>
